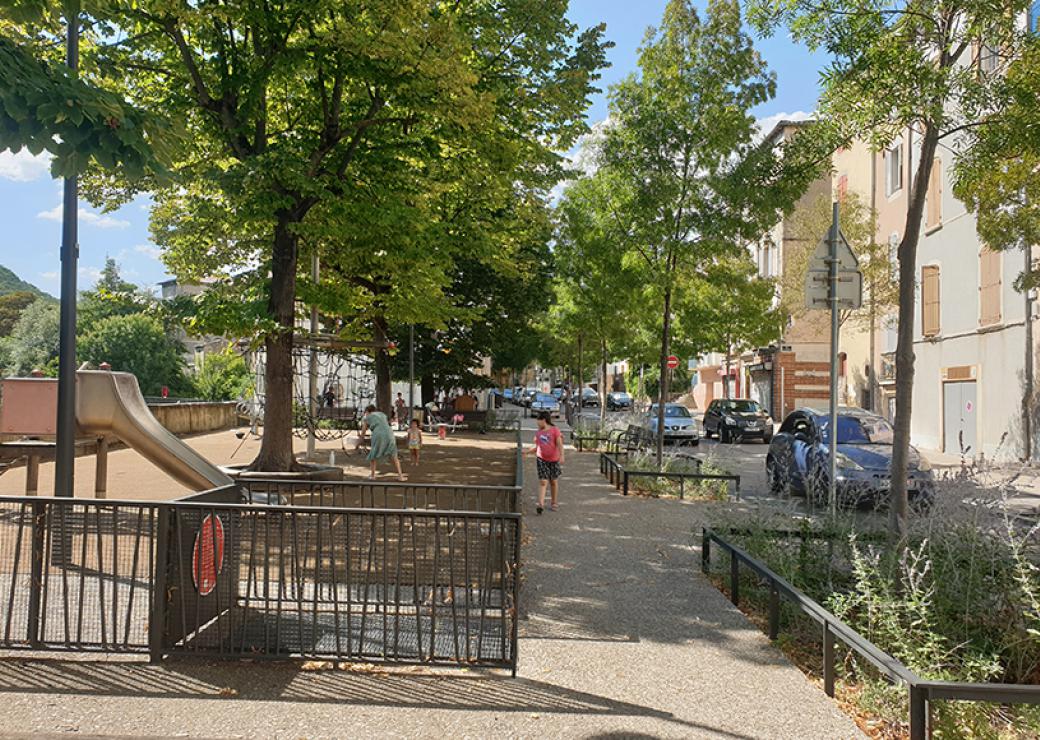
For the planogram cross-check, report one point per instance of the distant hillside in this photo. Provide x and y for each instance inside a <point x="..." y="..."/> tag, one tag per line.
<point x="11" y="283"/>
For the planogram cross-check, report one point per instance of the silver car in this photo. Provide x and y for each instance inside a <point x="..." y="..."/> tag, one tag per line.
<point x="679" y="425"/>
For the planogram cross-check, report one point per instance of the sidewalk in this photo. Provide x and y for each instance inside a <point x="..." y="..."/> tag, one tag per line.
<point x="621" y="637"/>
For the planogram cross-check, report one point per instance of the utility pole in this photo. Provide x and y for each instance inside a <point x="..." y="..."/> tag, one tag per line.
<point x="411" y="371"/>
<point x="65" y="450"/>
<point x="1027" y="400"/>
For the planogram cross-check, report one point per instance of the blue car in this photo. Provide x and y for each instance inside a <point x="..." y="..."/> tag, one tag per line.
<point x="798" y="462"/>
<point x="508" y="394"/>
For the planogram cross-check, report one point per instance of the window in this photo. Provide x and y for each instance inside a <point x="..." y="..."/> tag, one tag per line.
<point x="989" y="58"/>
<point x="1034" y="17"/>
<point x="930" y="300"/>
<point x="934" y="197"/>
<point x="894" y="169"/>
<point x="989" y="287"/>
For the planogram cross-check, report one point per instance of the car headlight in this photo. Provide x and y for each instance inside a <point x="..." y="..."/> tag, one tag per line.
<point x="844" y="461"/>
<point x="729" y="420"/>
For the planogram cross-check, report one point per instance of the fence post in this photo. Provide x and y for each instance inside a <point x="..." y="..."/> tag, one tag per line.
<point x="828" y="660"/>
<point x="38" y="531"/>
<point x="734" y="578"/>
<point x="918" y="713"/>
<point x="682" y="488"/>
<point x="157" y="619"/>
<point x="774" y="611"/>
<point x="705" y="551"/>
<point x="736" y="488"/>
<point x="625" y="478"/>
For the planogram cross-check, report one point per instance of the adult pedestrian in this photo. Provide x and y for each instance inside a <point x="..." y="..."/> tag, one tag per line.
<point x="384" y="445"/>
<point x="548" y="451"/>
<point x="399" y="411"/>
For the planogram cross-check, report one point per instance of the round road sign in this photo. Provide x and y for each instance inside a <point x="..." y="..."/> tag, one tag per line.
<point x="673" y="362"/>
<point x="207" y="558"/>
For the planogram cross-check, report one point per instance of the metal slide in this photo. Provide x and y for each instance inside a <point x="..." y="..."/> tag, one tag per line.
<point x="111" y="403"/>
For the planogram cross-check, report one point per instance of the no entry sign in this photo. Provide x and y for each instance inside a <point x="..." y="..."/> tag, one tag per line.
<point x="207" y="558"/>
<point x="673" y="362"/>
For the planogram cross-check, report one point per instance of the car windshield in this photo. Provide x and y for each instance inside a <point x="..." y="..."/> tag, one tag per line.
<point x="739" y="406"/>
<point x="621" y="396"/>
<point x="859" y="430"/>
<point x="545" y="398"/>
<point x="589" y="392"/>
<point x="674" y="412"/>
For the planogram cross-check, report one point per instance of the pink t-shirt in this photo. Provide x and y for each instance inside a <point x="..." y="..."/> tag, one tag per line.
<point x="545" y="439"/>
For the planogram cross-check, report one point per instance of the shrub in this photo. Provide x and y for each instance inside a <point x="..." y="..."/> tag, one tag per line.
<point x="137" y="344"/>
<point x="223" y="376"/>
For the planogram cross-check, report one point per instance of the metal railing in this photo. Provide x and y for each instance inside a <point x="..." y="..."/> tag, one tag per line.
<point x="619" y="476"/>
<point x="380" y="495"/>
<point x="406" y="586"/>
<point x="921" y="691"/>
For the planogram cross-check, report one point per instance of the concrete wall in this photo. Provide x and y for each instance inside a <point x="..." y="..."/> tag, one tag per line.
<point x="195" y="418"/>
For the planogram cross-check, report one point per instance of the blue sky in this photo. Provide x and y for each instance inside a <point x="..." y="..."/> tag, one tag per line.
<point x="30" y="200"/>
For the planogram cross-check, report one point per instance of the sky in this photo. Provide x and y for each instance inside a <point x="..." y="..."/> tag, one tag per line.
<point x="30" y="201"/>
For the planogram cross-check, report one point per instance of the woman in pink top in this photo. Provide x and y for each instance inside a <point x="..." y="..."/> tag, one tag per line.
<point x="548" y="448"/>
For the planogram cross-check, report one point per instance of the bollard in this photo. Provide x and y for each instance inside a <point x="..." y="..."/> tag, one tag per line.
<point x="734" y="578"/>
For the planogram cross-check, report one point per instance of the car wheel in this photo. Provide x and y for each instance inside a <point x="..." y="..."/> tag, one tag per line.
<point x="767" y="438"/>
<point x="776" y="482"/>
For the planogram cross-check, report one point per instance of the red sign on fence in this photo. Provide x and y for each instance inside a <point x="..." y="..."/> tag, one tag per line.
<point x="673" y="362"/>
<point x="207" y="559"/>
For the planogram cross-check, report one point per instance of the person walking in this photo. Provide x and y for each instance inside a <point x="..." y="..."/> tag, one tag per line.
<point x="384" y="446"/>
<point x="548" y="451"/>
<point x="399" y="410"/>
<point x="414" y="441"/>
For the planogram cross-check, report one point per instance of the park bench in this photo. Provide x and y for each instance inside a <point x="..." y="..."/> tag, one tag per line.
<point x="471" y="419"/>
<point x="504" y="420"/>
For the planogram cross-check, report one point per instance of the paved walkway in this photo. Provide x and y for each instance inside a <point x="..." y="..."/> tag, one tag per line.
<point x="621" y="637"/>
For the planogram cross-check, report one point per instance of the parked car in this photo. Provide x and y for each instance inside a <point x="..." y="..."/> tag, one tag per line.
<point x="507" y="394"/>
<point x="545" y="402"/>
<point x="679" y="425"/>
<point x="528" y="396"/>
<point x="589" y="398"/>
<point x="797" y="461"/>
<point x="557" y="392"/>
<point x="736" y="418"/>
<point x="619" y="401"/>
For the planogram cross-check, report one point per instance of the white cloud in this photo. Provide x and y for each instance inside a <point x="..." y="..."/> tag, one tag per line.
<point x="765" y="125"/>
<point x="147" y="249"/>
<point x="100" y="220"/>
<point x="23" y="166"/>
<point x="90" y="273"/>
<point x="52" y="275"/>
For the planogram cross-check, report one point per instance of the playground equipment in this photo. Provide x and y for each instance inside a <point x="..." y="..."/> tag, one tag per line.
<point x="107" y="404"/>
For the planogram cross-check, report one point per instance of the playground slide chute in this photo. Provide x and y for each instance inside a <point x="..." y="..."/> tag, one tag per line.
<point x="111" y="403"/>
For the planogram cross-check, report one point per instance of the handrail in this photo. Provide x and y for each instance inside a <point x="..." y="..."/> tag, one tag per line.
<point x="921" y="691"/>
<point x="618" y="475"/>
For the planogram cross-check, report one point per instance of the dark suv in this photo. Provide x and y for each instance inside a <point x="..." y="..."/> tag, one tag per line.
<point x="737" y="418"/>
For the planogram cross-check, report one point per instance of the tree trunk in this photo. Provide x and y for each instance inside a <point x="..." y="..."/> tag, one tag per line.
<point x="384" y="390"/>
<point x="662" y="391"/>
<point x="577" y="395"/>
<point x="603" y="386"/>
<point x="276" y="451"/>
<point x="426" y="389"/>
<point x="899" y="506"/>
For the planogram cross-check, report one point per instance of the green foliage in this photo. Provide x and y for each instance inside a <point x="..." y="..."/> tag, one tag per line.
<point x="995" y="174"/>
<point x="111" y="296"/>
<point x="137" y="344"/>
<point x="11" y="283"/>
<point x="33" y="343"/>
<point x="11" y="307"/>
<point x="222" y="376"/>
<point x="957" y="601"/>
<point x="859" y="225"/>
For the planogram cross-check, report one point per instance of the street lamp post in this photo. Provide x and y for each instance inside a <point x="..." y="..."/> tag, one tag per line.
<point x="65" y="451"/>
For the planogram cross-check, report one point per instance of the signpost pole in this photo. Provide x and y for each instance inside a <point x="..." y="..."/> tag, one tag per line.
<point x="411" y="372"/>
<point x="832" y="448"/>
<point x="312" y="373"/>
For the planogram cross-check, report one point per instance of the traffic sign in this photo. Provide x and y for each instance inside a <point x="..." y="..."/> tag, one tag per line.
<point x="849" y="287"/>
<point x="207" y="559"/>
<point x="673" y="362"/>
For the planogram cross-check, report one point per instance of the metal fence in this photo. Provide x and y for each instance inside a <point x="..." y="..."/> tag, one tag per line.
<point x="249" y="581"/>
<point x="613" y="466"/>
<point x="380" y="495"/>
<point x="922" y="692"/>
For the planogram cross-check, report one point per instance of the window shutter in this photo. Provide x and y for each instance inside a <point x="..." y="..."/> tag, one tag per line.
<point x="843" y="188"/>
<point x="989" y="287"/>
<point x="934" y="195"/>
<point x="930" y="300"/>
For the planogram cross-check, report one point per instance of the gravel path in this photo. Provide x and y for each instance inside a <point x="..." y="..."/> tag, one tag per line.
<point x="621" y="637"/>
